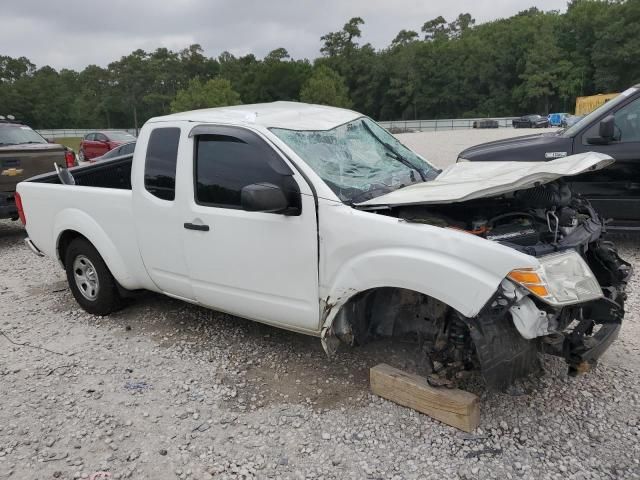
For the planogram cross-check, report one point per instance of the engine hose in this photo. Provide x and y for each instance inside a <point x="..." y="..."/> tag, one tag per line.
<point x="492" y="221"/>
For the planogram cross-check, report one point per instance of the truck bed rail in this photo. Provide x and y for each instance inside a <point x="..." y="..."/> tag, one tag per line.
<point x="112" y="173"/>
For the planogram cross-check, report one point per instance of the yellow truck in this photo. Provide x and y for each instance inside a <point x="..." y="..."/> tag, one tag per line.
<point x="585" y="105"/>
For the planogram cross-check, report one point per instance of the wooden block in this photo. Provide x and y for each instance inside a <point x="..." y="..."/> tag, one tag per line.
<point x="454" y="407"/>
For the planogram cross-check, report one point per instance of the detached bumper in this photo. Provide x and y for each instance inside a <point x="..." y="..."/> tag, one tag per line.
<point x="598" y="326"/>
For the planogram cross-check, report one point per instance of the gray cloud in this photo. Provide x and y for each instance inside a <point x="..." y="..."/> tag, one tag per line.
<point x="75" y="33"/>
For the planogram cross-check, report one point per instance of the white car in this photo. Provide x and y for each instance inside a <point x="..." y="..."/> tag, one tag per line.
<point x="317" y="220"/>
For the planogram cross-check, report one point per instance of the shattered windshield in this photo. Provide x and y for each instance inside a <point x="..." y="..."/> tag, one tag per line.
<point x="358" y="160"/>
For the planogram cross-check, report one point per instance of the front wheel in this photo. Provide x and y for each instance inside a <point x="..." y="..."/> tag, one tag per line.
<point x="81" y="156"/>
<point x="91" y="282"/>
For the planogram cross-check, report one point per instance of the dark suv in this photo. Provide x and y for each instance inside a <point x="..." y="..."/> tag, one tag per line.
<point x="613" y="129"/>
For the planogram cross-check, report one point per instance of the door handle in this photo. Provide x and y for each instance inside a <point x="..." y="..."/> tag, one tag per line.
<point x="193" y="226"/>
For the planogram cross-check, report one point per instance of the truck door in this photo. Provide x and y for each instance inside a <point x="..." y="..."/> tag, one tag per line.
<point x="615" y="190"/>
<point x="262" y="266"/>
<point x="158" y="209"/>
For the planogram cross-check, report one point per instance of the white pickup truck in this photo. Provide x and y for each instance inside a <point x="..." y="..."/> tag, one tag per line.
<point x="317" y="220"/>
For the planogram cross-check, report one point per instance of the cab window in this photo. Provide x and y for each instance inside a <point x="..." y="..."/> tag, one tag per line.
<point x="160" y="163"/>
<point x="225" y="163"/>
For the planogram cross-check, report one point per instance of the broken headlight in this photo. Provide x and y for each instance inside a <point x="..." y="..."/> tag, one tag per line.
<point x="561" y="279"/>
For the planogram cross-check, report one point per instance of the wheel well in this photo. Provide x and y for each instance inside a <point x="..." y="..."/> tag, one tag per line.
<point x="388" y="311"/>
<point x="65" y="240"/>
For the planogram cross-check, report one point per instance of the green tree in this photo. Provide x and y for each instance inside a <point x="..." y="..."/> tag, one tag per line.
<point x="531" y="62"/>
<point x="436" y="29"/>
<point x="342" y="42"/>
<point x="133" y="79"/>
<point x="615" y="52"/>
<point x="12" y="69"/>
<point x="404" y="38"/>
<point x="325" y="87"/>
<point x="216" y="92"/>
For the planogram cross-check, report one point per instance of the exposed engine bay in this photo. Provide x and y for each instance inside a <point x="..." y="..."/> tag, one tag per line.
<point x="505" y="339"/>
<point x="535" y="221"/>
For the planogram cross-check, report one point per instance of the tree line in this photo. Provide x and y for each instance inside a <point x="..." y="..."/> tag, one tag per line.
<point x="532" y="62"/>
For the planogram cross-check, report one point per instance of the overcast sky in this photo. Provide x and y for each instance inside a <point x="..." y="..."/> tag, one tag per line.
<point x="75" y="33"/>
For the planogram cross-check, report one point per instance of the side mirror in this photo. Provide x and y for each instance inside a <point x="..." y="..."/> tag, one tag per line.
<point x="607" y="127"/>
<point x="264" y="197"/>
<point x="606" y="131"/>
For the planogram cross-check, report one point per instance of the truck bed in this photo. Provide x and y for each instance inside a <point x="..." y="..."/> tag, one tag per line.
<point x="113" y="173"/>
<point x="99" y="205"/>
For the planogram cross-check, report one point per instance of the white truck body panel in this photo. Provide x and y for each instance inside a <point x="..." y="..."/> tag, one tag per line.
<point x="362" y="250"/>
<point x="103" y="215"/>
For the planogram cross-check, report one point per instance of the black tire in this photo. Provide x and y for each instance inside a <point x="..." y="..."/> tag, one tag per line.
<point x="99" y="298"/>
<point x="81" y="157"/>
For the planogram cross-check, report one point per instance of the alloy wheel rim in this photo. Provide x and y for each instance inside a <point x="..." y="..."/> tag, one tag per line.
<point x="86" y="277"/>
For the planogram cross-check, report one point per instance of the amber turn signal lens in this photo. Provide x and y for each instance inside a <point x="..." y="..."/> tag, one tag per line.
<point x="530" y="280"/>
<point x="525" y="276"/>
<point x="539" y="290"/>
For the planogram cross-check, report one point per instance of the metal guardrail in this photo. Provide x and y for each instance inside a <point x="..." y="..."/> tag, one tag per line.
<point x="443" y="124"/>
<point x="409" y="125"/>
<point x="79" y="132"/>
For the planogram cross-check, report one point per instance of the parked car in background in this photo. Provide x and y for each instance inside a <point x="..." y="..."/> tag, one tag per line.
<point x="124" y="149"/>
<point x="96" y="144"/>
<point x="571" y="120"/>
<point x="531" y="121"/>
<point x="23" y="154"/>
<point x="612" y="129"/>
<point x="208" y="207"/>
<point x="556" y="119"/>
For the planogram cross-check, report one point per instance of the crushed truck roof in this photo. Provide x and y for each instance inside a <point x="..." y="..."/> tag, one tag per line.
<point x="288" y="115"/>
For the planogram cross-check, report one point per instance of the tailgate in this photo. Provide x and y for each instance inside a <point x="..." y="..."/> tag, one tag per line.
<point x="20" y="163"/>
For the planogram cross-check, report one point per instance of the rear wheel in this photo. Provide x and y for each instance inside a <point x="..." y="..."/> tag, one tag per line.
<point x="91" y="282"/>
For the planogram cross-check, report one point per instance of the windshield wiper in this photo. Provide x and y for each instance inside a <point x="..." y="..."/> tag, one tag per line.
<point x="3" y="144"/>
<point x="353" y="201"/>
<point x="27" y="143"/>
<point x="395" y="155"/>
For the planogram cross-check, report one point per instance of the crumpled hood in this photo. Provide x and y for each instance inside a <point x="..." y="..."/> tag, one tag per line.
<point x="471" y="180"/>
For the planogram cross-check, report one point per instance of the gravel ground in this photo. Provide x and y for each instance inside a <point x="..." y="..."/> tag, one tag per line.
<point x="163" y="389"/>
